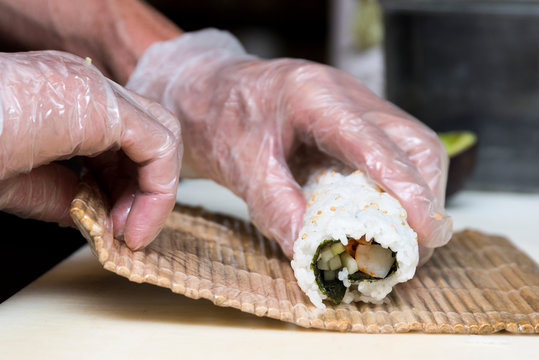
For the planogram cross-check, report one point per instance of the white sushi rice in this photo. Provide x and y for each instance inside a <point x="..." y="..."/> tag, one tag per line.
<point x="342" y="205"/>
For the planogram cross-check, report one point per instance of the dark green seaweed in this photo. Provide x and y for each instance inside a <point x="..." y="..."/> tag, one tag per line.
<point x="334" y="289"/>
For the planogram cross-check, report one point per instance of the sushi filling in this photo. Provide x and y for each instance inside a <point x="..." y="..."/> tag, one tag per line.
<point x="363" y="261"/>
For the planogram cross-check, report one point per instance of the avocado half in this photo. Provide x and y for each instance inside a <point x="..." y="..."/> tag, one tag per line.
<point x="461" y="147"/>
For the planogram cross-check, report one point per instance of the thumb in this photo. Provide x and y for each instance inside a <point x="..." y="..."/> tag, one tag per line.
<point x="276" y="203"/>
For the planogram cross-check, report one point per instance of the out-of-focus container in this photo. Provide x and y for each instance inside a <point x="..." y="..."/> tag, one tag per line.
<point x="471" y="65"/>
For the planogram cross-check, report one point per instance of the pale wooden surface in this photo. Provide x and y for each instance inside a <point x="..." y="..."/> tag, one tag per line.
<point x="78" y="310"/>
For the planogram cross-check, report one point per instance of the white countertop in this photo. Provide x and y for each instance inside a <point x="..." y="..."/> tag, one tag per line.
<point x="78" y="310"/>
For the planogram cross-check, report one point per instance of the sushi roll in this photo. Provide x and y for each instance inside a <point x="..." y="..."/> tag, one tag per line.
<point x="355" y="243"/>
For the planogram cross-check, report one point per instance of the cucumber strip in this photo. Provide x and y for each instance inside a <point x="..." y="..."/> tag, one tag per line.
<point x="322" y="265"/>
<point x="349" y="262"/>
<point x="335" y="263"/>
<point x="337" y="248"/>
<point x="326" y="254"/>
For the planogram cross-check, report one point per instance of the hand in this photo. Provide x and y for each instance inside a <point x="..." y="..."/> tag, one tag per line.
<point x="244" y="118"/>
<point x="57" y="106"/>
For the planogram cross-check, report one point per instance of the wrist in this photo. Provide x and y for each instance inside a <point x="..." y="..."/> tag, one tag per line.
<point x="183" y="63"/>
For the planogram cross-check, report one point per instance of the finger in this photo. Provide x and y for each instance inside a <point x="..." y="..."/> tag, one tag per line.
<point x="162" y="115"/>
<point x="358" y="143"/>
<point x="45" y="194"/>
<point x="118" y="174"/>
<point x="276" y="204"/>
<point x="122" y="208"/>
<point x="421" y="144"/>
<point x="157" y="152"/>
<point x="425" y="254"/>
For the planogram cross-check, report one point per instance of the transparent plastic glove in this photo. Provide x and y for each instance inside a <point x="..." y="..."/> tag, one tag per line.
<point x="56" y="106"/>
<point x="243" y="118"/>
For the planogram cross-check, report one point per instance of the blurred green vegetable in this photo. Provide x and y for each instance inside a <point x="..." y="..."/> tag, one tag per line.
<point x="456" y="142"/>
<point x="368" y="25"/>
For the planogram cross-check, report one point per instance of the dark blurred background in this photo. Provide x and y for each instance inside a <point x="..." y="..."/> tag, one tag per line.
<point x="471" y="65"/>
<point x="456" y="65"/>
<point x="268" y="28"/>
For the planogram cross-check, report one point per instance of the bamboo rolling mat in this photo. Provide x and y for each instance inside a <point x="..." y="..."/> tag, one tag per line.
<point x="477" y="284"/>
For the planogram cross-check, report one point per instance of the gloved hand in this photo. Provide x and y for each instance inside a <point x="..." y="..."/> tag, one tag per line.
<point x="56" y="106"/>
<point x="243" y="118"/>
